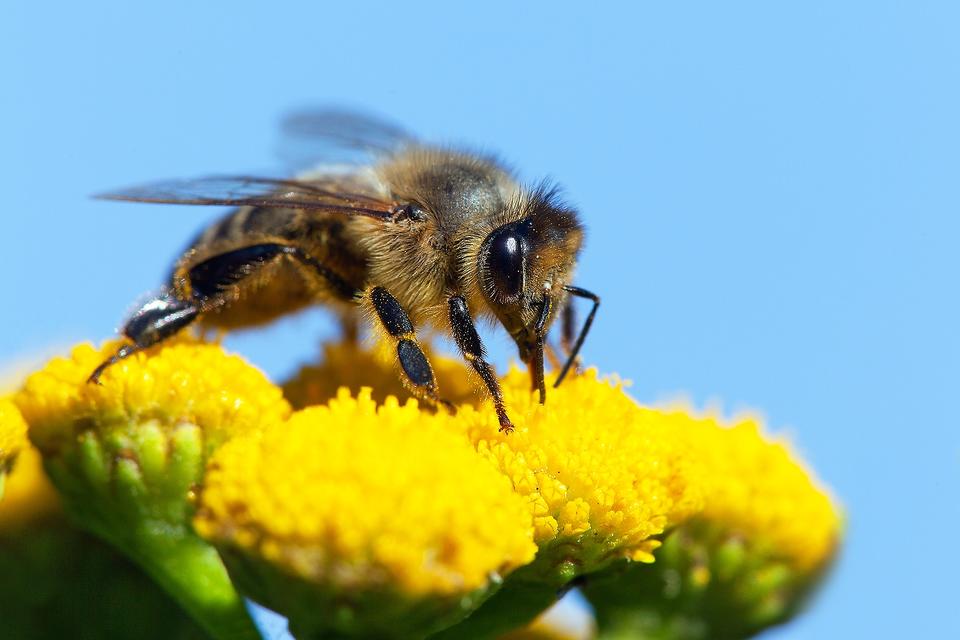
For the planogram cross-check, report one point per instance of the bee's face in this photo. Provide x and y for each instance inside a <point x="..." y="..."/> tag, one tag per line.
<point x="524" y="265"/>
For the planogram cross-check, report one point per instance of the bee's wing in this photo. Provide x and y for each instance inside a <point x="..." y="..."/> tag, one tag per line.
<point x="336" y="136"/>
<point x="332" y="194"/>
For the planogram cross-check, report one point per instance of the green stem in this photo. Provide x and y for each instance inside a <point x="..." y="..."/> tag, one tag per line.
<point x="191" y="571"/>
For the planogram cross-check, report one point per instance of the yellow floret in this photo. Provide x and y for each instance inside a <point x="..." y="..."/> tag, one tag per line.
<point x="184" y="381"/>
<point x="757" y="488"/>
<point x="350" y="495"/>
<point x="593" y="466"/>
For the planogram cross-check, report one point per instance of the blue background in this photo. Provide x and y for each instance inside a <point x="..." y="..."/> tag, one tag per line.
<point x="771" y="194"/>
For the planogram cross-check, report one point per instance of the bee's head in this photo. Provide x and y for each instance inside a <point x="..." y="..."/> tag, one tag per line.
<point x="523" y="266"/>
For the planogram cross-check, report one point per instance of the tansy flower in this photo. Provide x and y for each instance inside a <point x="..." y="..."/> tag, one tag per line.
<point x="766" y="534"/>
<point x="184" y="382"/>
<point x="363" y="521"/>
<point x="591" y="465"/>
<point x="13" y="437"/>
<point x="352" y="365"/>
<point x="127" y="454"/>
<point x="600" y="477"/>
<point x="29" y="496"/>
<point x="359" y="518"/>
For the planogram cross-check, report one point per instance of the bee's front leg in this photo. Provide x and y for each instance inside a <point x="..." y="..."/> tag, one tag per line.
<point x="415" y="370"/>
<point x="568" y="325"/>
<point x="468" y="341"/>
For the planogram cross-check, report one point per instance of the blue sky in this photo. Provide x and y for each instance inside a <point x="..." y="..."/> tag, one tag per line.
<point x="768" y="189"/>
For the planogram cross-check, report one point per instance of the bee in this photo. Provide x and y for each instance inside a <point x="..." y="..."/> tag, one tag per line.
<point x="419" y="235"/>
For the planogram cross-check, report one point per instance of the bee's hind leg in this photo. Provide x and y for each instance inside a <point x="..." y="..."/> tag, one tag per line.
<point x="154" y="322"/>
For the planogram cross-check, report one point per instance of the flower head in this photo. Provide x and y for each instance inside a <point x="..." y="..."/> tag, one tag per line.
<point x="758" y="488"/>
<point x="377" y="508"/>
<point x="185" y="382"/>
<point x="766" y="534"/>
<point x="602" y="476"/>
<point x="362" y="516"/>
<point x="13" y="436"/>
<point x="126" y="455"/>
<point x="352" y="365"/>
<point x="29" y="496"/>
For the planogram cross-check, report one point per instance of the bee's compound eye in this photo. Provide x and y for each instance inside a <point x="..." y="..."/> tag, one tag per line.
<point x="505" y="261"/>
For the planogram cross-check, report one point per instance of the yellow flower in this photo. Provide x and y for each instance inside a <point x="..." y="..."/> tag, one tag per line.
<point x="184" y="382"/>
<point x="13" y="430"/>
<point x="765" y="536"/>
<point x="350" y="364"/>
<point x="29" y="495"/>
<point x="386" y="504"/>
<point x="757" y="488"/>
<point x="364" y="516"/>
<point x="13" y="437"/>
<point x="601" y="475"/>
<point x="126" y="455"/>
<point x="365" y="496"/>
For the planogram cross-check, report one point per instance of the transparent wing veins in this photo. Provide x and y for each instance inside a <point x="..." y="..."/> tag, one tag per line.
<point x="257" y="192"/>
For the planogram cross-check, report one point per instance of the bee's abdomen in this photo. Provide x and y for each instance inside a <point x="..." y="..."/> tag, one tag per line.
<point x="247" y="222"/>
<point x="280" y="286"/>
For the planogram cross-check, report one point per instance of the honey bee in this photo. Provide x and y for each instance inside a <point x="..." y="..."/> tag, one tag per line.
<point x="419" y="235"/>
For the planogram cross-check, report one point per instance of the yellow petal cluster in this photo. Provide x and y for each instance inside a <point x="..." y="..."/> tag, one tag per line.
<point x="29" y="496"/>
<point x="352" y="365"/>
<point x="755" y="487"/>
<point x="13" y="437"/>
<point x="352" y="495"/>
<point x="13" y="432"/>
<point x="185" y="381"/>
<point x="593" y="466"/>
<point x="363" y="492"/>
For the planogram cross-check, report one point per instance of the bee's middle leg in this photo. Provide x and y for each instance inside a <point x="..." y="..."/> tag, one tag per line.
<point x="415" y="370"/>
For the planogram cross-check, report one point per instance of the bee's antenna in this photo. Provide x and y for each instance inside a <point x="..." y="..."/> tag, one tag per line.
<point x="580" y="293"/>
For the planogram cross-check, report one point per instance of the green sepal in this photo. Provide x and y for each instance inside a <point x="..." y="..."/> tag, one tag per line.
<point x="131" y="485"/>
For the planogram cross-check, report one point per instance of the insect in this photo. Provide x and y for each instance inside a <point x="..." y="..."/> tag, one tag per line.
<point x="418" y="235"/>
